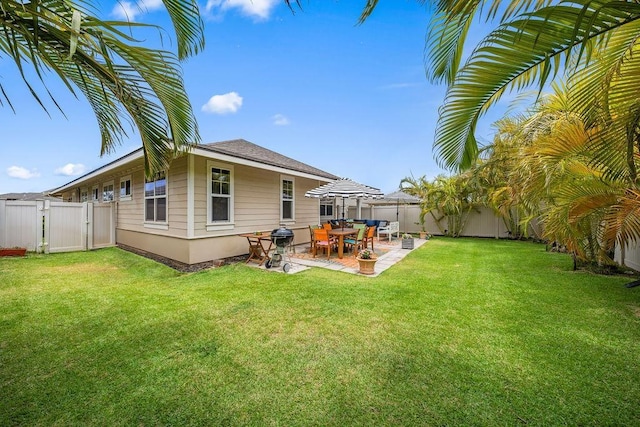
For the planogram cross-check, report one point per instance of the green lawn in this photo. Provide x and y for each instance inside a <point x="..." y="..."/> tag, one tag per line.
<point x="461" y="332"/>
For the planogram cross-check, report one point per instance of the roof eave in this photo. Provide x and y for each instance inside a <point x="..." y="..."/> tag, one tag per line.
<point x="212" y="154"/>
<point x="127" y="158"/>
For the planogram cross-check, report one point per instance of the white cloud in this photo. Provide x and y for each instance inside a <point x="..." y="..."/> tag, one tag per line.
<point x="125" y="10"/>
<point x="128" y="10"/>
<point x="260" y="9"/>
<point x="22" y="173"/>
<point x="151" y="5"/>
<point x="280" y="120"/>
<point x="71" y="169"/>
<point x="223" y="104"/>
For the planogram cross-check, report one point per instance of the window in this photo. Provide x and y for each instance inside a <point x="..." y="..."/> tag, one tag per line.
<point x="125" y="188"/>
<point x="94" y="194"/>
<point x="155" y="198"/>
<point x="84" y="195"/>
<point x="220" y="201"/>
<point x="107" y="192"/>
<point x="287" y="200"/>
<point x="326" y="208"/>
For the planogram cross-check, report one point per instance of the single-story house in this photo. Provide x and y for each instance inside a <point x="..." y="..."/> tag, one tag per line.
<point x="195" y="211"/>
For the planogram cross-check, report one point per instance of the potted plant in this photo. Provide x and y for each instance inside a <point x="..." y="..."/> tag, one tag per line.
<point x="423" y="232"/>
<point x="367" y="261"/>
<point x="407" y="241"/>
<point x="14" y="251"/>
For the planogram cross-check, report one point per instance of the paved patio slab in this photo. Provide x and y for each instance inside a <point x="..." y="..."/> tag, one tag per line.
<point x="389" y="253"/>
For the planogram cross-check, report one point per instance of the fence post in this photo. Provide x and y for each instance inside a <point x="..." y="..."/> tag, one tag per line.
<point x="84" y="226"/>
<point x="44" y="232"/>
<point x="89" y="226"/>
<point x="112" y="226"/>
<point x="3" y="223"/>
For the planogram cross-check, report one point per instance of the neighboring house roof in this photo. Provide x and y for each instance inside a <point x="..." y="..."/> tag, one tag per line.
<point x="250" y="151"/>
<point x="27" y="196"/>
<point x="237" y="150"/>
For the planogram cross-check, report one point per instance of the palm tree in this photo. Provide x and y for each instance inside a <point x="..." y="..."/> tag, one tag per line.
<point x="122" y="80"/>
<point x="500" y="175"/>
<point x="421" y="188"/>
<point x="560" y="176"/>
<point x="451" y="198"/>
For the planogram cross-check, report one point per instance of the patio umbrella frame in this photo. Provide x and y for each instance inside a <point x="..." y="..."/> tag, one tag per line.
<point x="345" y="188"/>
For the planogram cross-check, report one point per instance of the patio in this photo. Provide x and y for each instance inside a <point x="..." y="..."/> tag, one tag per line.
<point x="389" y="253"/>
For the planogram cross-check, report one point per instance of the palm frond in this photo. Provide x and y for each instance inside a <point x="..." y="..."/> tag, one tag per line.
<point x="519" y="53"/>
<point x="121" y="80"/>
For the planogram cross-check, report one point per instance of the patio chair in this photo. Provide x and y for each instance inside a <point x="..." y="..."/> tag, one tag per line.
<point x="321" y="240"/>
<point x="327" y="226"/>
<point x="355" y="242"/>
<point x="312" y="241"/>
<point x="368" y="237"/>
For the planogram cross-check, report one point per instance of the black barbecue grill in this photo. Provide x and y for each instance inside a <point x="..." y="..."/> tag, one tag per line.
<point x="281" y="237"/>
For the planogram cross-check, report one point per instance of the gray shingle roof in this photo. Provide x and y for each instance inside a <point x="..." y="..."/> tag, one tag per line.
<point x="250" y="151"/>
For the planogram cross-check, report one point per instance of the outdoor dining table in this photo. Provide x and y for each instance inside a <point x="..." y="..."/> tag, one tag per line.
<point x="341" y="232"/>
<point x="258" y="250"/>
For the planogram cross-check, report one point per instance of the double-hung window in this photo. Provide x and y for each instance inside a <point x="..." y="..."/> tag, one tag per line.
<point x="155" y="198"/>
<point x="107" y="192"/>
<point x="326" y="208"/>
<point x="84" y="195"/>
<point x="220" y="201"/>
<point x="125" y="188"/>
<point x="94" y="194"/>
<point x="287" y="199"/>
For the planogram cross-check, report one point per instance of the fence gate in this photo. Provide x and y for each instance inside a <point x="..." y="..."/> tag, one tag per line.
<point x="49" y="226"/>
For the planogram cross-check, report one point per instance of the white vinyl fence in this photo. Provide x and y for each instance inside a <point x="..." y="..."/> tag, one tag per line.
<point x="48" y="226"/>
<point x="481" y="223"/>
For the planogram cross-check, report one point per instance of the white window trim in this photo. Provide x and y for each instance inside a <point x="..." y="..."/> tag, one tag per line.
<point x="113" y="190"/>
<point x="158" y="225"/>
<point x="326" y="203"/>
<point x="291" y="220"/>
<point x="95" y="192"/>
<point x="227" y="225"/>
<point x="127" y="197"/>
<point x="84" y="190"/>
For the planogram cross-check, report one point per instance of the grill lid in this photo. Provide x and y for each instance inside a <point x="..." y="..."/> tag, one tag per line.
<point x="281" y="232"/>
<point x="281" y="236"/>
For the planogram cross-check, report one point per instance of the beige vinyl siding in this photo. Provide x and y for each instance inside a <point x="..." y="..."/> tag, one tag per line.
<point x="130" y="214"/>
<point x="307" y="208"/>
<point x="200" y="195"/>
<point x="177" y="201"/>
<point x="256" y="201"/>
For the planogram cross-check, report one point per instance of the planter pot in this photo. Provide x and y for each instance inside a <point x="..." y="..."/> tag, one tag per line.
<point x="407" y="243"/>
<point x="13" y="251"/>
<point x="366" y="265"/>
<point x="423" y="234"/>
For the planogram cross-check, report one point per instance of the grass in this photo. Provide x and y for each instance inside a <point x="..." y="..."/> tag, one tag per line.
<point x="461" y="332"/>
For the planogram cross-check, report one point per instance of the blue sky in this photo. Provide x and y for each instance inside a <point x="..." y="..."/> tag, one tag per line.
<point x="351" y="100"/>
